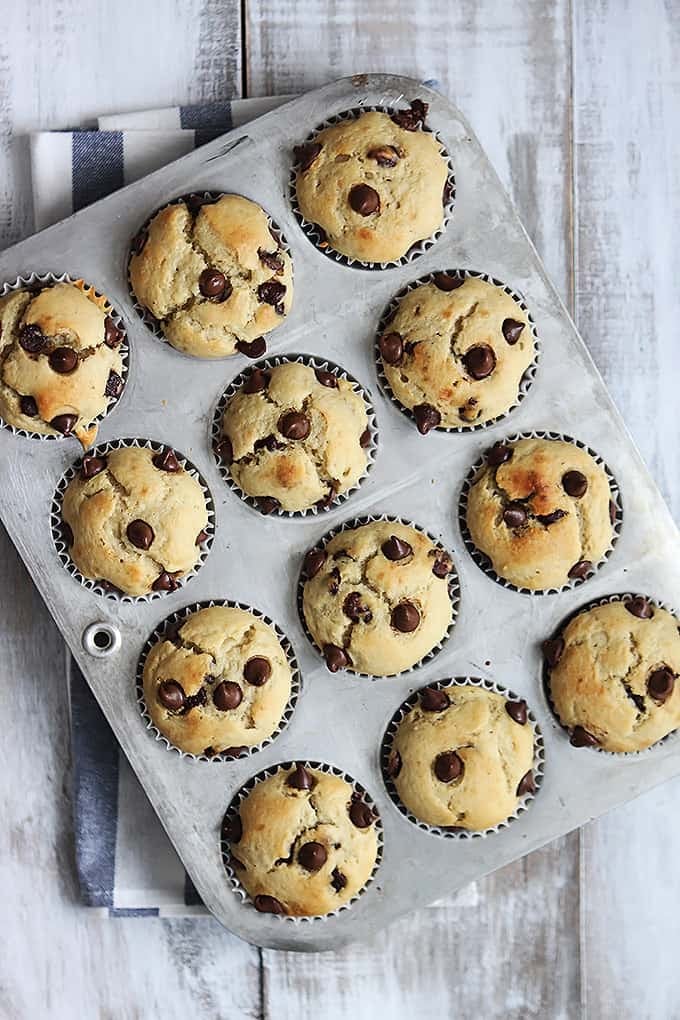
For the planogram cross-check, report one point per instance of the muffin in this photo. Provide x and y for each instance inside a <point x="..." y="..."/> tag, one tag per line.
<point x="295" y="437"/>
<point x="463" y="757"/>
<point x="220" y="683"/>
<point x="374" y="185"/>
<point x="376" y="598"/>
<point x="60" y="360"/>
<point x="456" y="350"/>
<point x="304" y="842"/>
<point x="612" y="675"/>
<point x="134" y="519"/>
<point x="213" y="274"/>
<point x="541" y="510"/>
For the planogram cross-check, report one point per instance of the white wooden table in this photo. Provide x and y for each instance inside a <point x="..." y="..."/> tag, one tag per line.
<point x="578" y="105"/>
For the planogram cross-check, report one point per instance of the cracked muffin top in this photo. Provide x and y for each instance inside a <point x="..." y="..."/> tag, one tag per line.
<point x="213" y="274"/>
<point x="376" y="598"/>
<point x="295" y="437"/>
<point x="304" y="842"/>
<point x="373" y="185"/>
<point x="613" y="675"/>
<point x="541" y="510"/>
<point x="134" y="519"/>
<point x="463" y="757"/>
<point x="60" y="360"/>
<point x="456" y="350"/>
<point x="219" y="684"/>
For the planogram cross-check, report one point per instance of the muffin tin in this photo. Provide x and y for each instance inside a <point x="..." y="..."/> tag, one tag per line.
<point x="339" y="719"/>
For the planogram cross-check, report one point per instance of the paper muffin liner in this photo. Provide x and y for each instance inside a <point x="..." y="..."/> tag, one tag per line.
<point x="41" y="280"/>
<point x="155" y="325"/>
<point x="166" y="628"/>
<point x="234" y="808"/>
<point x="311" y="362"/>
<point x="545" y="672"/>
<point x="453" y="585"/>
<point x="314" y="233"/>
<point x="483" y="561"/>
<point x="98" y="587"/>
<point x="528" y="376"/>
<point x="455" y="832"/>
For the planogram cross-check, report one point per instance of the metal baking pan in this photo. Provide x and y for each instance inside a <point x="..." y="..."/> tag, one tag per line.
<point x="255" y="560"/>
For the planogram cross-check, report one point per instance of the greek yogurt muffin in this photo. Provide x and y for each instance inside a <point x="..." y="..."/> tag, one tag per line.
<point x="219" y="684"/>
<point x="295" y="436"/>
<point x="60" y="360"/>
<point x="463" y="757"/>
<point x="303" y="843"/>
<point x="376" y="598"/>
<point x="613" y="675"/>
<point x="373" y="185"/>
<point x="213" y="274"/>
<point x="541" y="510"/>
<point x="456" y="350"/>
<point x="134" y="519"/>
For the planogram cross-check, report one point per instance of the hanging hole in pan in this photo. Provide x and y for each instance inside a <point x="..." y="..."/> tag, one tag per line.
<point x="101" y="639"/>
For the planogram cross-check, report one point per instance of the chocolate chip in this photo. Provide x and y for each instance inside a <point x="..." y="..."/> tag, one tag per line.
<point x="271" y="259"/>
<point x="140" y="534"/>
<point x="257" y="381"/>
<point x="365" y="439"/>
<point x="660" y="684"/>
<point x="405" y="617"/>
<point x="360" y="814"/>
<point x="268" y="443"/>
<point x="354" y="608"/>
<point x="66" y="533"/>
<point x="517" y="710"/>
<point x="515" y="515"/>
<point x="326" y="378"/>
<point x="334" y="583"/>
<point x="391" y="348"/>
<point x="112" y="334"/>
<point x="233" y="752"/>
<point x="336" y="657"/>
<point x="300" y="778"/>
<point x="225" y="450"/>
<point x="171" y="695"/>
<point x="512" y="330"/>
<point x="447" y="281"/>
<point x="313" y="562"/>
<point x="364" y="199"/>
<point x="426" y="418"/>
<point x="448" y="766"/>
<point x="201" y="537"/>
<point x="165" y="582"/>
<point x="548" y="519"/>
<point x="166" y="461"/>
<point x="479" y="361"/>
<point x="227" y="696"/>
<point x="63" y="360"/>
<point x="139" y="241"/>
<point x="305" y="155"/>
<point x="232" y="830"/>
<point x="271" y="292"/>
<point x="581" y="738"/>
<point x="64" y="423"/>
<point x="31" y="338"/>
<point x="268" y="905"/>
<point x="255" y="349"/>
<point x="267" y="504"/>
<point x="114" y="385"/>
<point x="434" y="700"/>
<point x="257" y="670"/>
<point x="553" y="650"/>
<point x="28" y="406"/>
<point x="195" y="202"/>
<point x="294" y="425"/>
<point x="92" y="466"/>
<point x="394" y="763"/>
<point x="338" y="880"/>
<point x="527" y="784"/>
<point x="442" y="566"/>
<point x="214" y="285"/>
<point x="312" y="856"/>
<point x="580" y="570"/>
<point x="641" y="607"/>
<point x="574" y="484"/>
<point x="384" y="155"/>
<point x="396" y="549"/>
<point x="410" y="119"/>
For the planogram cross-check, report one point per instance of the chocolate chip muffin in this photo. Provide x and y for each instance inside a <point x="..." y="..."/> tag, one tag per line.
<point x="613" y="674"/>
<point x="463" y="757"/>
<point x="213" y="274"/>
<point x="376" y="599"/>
<point x="373" y="185"/>
<point x="220" y="683"/>
<point x="60" y="360"/>
<point x="295" y="436"/>
<point x="541" y="510"/>
<point x="304" y="842"/>
<point x="456" y="350"/>
<point x="134" y="519"/>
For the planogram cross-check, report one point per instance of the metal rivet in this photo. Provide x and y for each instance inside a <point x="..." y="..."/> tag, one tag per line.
<point x="101" y="639"/>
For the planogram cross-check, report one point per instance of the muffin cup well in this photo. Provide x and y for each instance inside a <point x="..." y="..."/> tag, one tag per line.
<point x="40" y="280"/>
<point x="545" y="672"/>
<point x="526" y="381"/>
<point x="166" y="628"/>
<point x="234" y="808"/>
<point x="56" y="522"/>
<point x="453" y="585"/>
<point x="314" y="233"/>
<point x="454" y="832"/>
<point x="483" y="561"/>
<point x="310" y="361"/>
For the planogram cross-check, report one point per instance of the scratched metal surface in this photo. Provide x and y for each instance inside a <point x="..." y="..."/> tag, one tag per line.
<point x="256" y="560"/>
